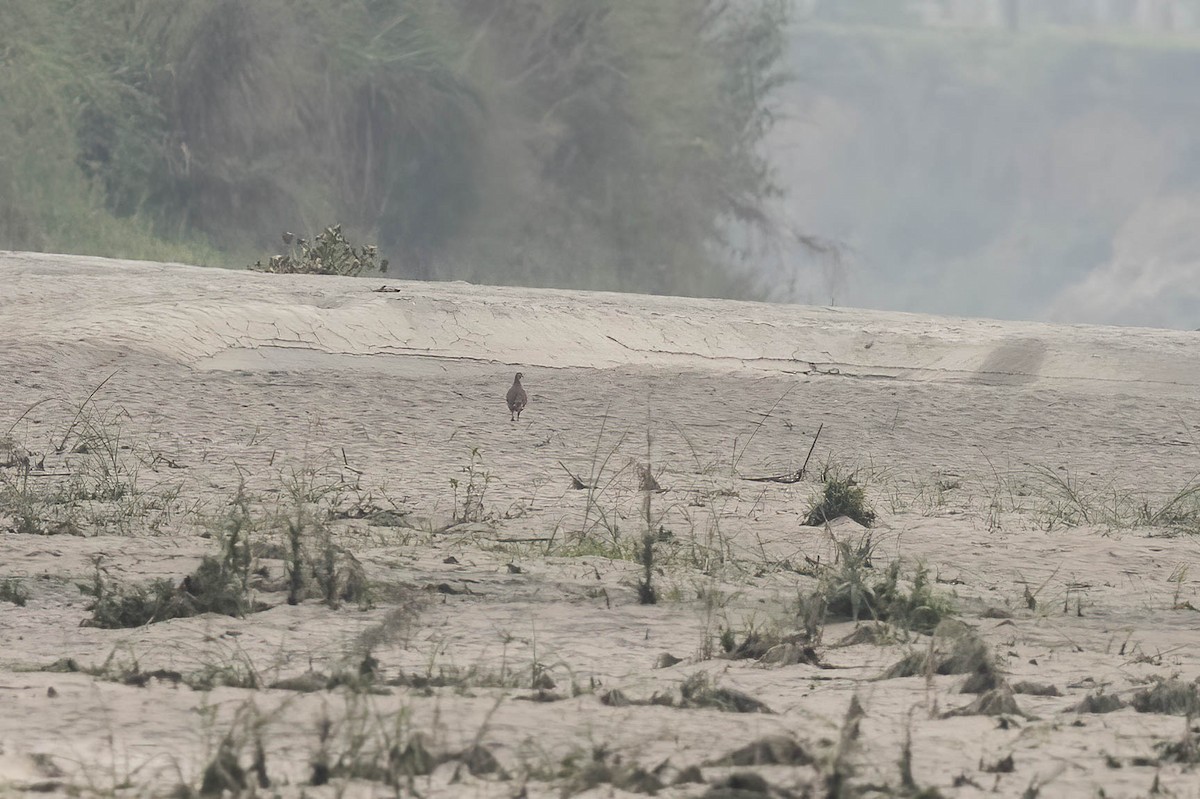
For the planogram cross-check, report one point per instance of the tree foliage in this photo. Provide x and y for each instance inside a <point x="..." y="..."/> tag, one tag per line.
<point x="596" y="143"/>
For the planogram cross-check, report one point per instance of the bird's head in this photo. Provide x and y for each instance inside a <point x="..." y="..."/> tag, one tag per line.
<point x="518" y="377"/>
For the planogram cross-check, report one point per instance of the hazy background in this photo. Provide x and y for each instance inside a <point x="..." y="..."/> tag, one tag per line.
<point x="1027" y="159"/>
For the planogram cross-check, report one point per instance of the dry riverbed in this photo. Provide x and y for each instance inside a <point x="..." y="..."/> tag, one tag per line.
<point x="277" y="535"/>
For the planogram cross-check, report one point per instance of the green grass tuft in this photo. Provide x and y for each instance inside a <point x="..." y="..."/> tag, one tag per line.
<point x="842" y="496"/>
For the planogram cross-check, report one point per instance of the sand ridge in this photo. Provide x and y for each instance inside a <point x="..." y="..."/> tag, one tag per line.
<point x="190" y="317"/>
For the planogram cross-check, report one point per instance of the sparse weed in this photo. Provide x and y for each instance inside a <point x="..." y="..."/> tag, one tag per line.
<point x="840" y="770"/>
<point x="474" y="486"/>
<point x="597" y="485"/>
<point x="107" y="472"/>
<point x="368" y="746"/>
<point x="316" y="564"/>
<point x="646" y="593"/>
<point x="87" y="478"/>
<point x="1068" y="502"/>
<point x="714" y="601"/>
<point x="237" y="761"/>
<point x="226" y="669"/>
<point x="234" y="671"/>
<point x="1184" y="750"/>
<point x="621" y="549"/>
<point x="1066" y="499"/>
<point x="536" y="676"/>
<point x="648" y="485"/>
<point x="585" y="769"/>
<point x="27" y="507"/>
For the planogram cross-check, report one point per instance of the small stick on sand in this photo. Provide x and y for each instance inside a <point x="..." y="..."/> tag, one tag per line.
<point x="791" y="477"/>
<point x="576" y="483"/>
<point x="346" y="463"/>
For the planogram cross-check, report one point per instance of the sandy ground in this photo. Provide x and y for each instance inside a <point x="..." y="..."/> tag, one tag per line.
<point x="1020" y="464"/>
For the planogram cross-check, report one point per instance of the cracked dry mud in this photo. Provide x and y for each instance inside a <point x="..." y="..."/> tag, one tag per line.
<point x="1014" y="461"/>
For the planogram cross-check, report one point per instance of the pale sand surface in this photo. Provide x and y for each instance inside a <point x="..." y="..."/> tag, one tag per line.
<point x="967" y="434"/>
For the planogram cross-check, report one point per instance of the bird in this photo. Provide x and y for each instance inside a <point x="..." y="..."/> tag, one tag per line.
<point x="517" y="399"/>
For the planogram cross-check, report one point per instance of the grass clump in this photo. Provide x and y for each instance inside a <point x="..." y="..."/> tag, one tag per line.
<point x="119" y="607"/>
<point x="584" y="770"/>
<point x="842" y="496"/>
<point x="853" y="589"/>
<point x="328" y="254"/>
<point x="13" y="590"/>
<point x="915" y="607"/>
<point x="1169" y="697"/>
<point x="363" y="746"/>
<point x="699" y="691"/>
<point x="220" y="584"/>
<point x="316" y="565"/>
<point x="212" y="588"/>
<point x="954" y="649"/>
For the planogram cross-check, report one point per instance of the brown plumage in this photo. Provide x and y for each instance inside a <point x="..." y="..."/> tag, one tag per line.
<point x="517" y="399"/>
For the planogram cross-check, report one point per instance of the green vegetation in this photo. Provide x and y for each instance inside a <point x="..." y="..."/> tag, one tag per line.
<point x="54" y="87"/>
<point x="221" y="584"/>
<point x="852" y="589"/>
<point x="841" y="496"/>
<point x="470" y="139"/>
<point x="329" y="254"/>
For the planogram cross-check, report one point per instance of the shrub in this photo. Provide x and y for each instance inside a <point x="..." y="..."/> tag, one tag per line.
<point x="329" y="254"/>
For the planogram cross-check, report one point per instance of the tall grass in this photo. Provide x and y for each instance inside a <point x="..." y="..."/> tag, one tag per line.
<point x="47" y="202"/>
